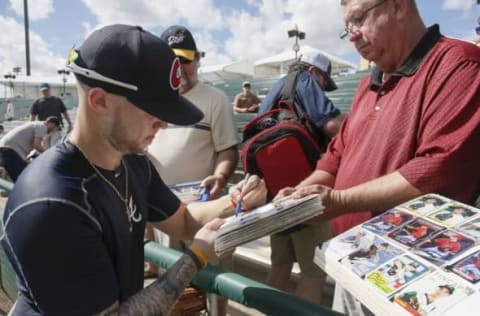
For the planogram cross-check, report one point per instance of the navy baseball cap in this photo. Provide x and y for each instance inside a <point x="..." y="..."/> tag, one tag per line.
<point x="181" y="41"/>
<point x="129" y="61"/>
<point x="53" y="119"/>
<point x="44" y="86"/>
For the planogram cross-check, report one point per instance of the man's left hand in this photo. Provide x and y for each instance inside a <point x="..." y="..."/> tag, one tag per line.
<point x="331" y="200"/>
<point x="253" y="192"/>
<point x="216" y="183"/>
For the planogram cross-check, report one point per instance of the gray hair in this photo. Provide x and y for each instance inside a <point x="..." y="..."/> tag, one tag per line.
<point x="412" y="3"/>
<point x="344" y="2"/>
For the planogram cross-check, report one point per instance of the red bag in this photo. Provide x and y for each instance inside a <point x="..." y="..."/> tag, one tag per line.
<point x="281" y="145"/>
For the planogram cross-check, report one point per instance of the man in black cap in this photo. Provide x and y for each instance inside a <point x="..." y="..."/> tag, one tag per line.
<point x="49" y="105"/>
<point x="176" y="151"/>
<point x="207" y="150"/>
<point x="24" y="142"/>
<point x="54" y="132"/>
<point x="89" y="220"/>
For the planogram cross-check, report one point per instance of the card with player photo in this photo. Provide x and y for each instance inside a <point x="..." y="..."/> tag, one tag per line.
<point x="414" y="232"/>
<point x="433" y="294"/>
<point x="396" y="274"/>
<point x="471" y="228"/>
<point x="468" y="267"/>
<point x="388" y="221"/>
<point x="453" y="214"/>
<point x="367" y="258"/>
<point x="425" y="203"/>
<point x="443" y="247"/>
<point x="348" y="242"/>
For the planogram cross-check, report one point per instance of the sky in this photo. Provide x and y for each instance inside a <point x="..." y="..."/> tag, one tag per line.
<point x="228" y="31"/>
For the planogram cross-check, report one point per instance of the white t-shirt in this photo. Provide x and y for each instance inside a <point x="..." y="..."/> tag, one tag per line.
<point x="21" y="137"/>
<point x="10" y="111"/>
<point x="188" y="153"/>
<point x="51" y="139"/>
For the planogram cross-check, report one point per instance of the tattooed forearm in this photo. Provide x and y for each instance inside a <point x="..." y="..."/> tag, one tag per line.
<point x="161" y="295"/>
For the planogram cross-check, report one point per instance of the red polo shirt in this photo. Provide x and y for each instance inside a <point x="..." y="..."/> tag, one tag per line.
<point x="423" y="122"/>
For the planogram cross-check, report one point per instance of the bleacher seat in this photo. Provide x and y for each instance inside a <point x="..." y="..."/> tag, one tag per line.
<point x="342" y="97"/>
<point x="23" y="105"/>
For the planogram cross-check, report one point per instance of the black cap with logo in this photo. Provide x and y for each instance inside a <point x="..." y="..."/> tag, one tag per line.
<point x="131" y="62"/>
<point x="181" y="41"/>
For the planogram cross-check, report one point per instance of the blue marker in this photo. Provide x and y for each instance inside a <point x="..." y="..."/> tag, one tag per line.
<point x="238" y="209"/>
<point x="205" y="195"/>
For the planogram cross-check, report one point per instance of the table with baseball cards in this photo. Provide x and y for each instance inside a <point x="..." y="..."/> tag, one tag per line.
<point x="419" y="258"/>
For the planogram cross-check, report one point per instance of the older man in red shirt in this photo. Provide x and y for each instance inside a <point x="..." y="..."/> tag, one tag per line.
<point x="414" y="123"/>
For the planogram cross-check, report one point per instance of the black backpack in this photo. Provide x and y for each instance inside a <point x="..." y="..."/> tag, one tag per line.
<point x="282" y="145"/>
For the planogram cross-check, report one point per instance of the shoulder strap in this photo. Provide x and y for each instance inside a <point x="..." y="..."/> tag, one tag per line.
<point x="286" y="93"/>
<point x="289" y="87"/>
<point x="289" y="91"/>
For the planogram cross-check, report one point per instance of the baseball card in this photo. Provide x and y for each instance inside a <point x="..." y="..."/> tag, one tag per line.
<point x="443" y="247"/>
<point x="396" y="274"/>
<point x="432" y="295"/>
<point x="367" y="258"/>
<point x="388" y="221"/>
<point x="452" y="214"/>
<point x="425" y="203"/>
<point x="414" y="232"/>
<point x="468" y="267"/>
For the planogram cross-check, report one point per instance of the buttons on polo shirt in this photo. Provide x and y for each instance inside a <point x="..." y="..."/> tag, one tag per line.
<point x="382" y="93"/>
<point x="377" y="107"/>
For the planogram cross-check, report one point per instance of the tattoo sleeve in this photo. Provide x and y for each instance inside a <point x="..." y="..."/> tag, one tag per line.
<point x="160" y="296"/>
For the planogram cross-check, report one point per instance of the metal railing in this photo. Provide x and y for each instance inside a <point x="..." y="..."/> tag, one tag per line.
<point x="6" y="185"/>
<point x="239" y="288"/>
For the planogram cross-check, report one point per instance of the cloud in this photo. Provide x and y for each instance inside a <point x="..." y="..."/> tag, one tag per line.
<point x="462" y="5"/>
<point x="12" y="46"/>
<point x="227" y="35"/>
<point x="156" y="13"/>
<point x="37" y="10"/>
<point x="265" y="32"/>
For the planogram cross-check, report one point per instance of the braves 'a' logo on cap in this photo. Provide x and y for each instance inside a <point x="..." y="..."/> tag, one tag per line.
<point x="175" y="74"/>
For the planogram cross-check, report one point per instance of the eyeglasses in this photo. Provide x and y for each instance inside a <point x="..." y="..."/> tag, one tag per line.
<point x="72" y="55"/>
<point x="184" y="61"/>
<point x="357" y="22"/>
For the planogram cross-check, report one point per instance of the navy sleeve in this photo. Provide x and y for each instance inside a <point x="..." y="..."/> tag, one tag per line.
<point x="60" y="258"/>
<point x="317" y="105"/>
<point x="162" y="202"/>
<point x="62" y="106"/>
<point x="269" y="98"/>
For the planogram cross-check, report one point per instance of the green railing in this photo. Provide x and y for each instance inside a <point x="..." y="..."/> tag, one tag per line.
<point x="212" y="279"/>
<point x="6" y="185"/>
<point x="238" y="288"/>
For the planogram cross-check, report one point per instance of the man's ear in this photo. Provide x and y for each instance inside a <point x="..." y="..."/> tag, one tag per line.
<point x="401" y="8"/>
<point x="311" y="69"/>
<point x="97" y="99"/>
